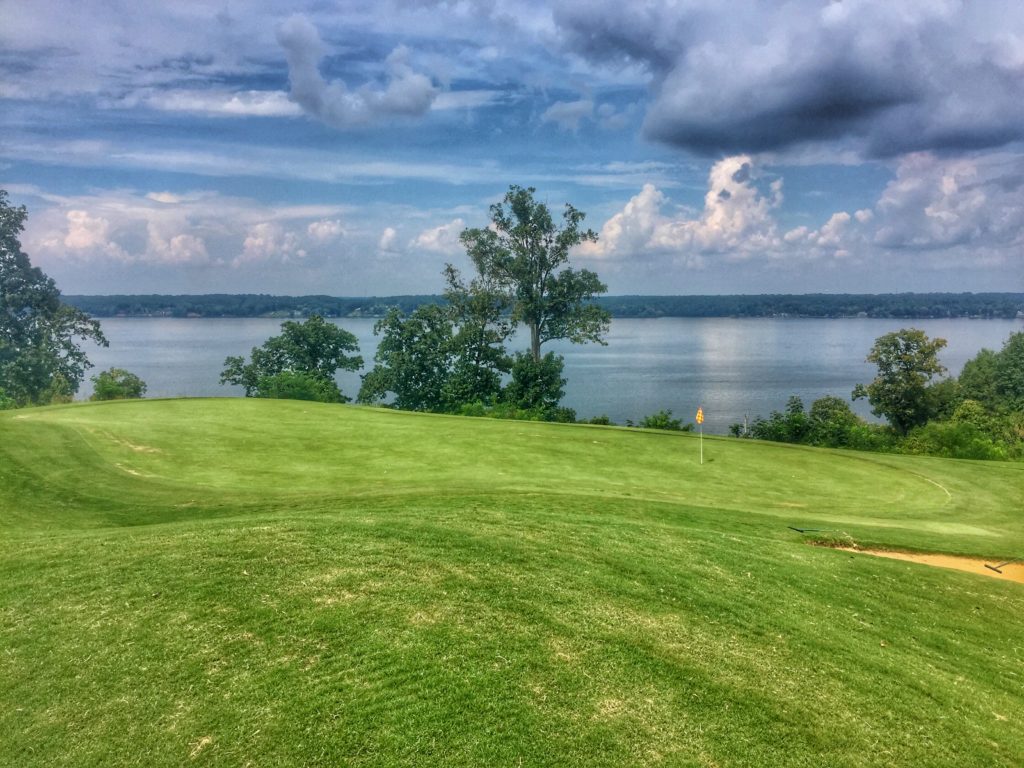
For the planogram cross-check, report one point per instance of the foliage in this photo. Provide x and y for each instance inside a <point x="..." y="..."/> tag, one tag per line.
<point x="831" y="422"/>
<point x="954" y="440"/>
<point x="789" y="427"/>
<point x="40" y="361"/>
<point x="6" y="403"/>
<point x="300" y="385"/>
<point x="974" y="417"/>
<point x="479" y="312"/>
<point x="440" y="357"/>
<point x="536" y="385"/>
<point x="117" y="384"/>
<point x="1009" y="373"/>
<point x="907" y="360"/>
<point x="523" y="253"/>
<point x="663" y="420"/>
<point x="978" y="379"/>
<point x="315" y="348"/>
<point x="507" y="411"/>
<point x="414" y="360"/>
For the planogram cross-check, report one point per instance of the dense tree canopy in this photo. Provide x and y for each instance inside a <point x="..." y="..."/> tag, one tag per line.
<point x="298" y="364"/>
<point x="40" y="360"/>
<point x="907" y="360"/>
<point x="117" y="384"/>
<point x="414" y="360"/>
<point x="441" y="357"/>
<point x="523" y="253"/>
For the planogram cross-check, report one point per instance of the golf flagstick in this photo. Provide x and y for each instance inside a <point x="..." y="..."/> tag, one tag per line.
<point x="700" y="423"/>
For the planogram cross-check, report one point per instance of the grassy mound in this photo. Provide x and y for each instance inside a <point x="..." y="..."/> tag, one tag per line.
<point x="239" y="582"/>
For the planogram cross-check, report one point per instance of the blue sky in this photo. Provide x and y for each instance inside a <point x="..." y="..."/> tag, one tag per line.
<point x="340" y="147"/>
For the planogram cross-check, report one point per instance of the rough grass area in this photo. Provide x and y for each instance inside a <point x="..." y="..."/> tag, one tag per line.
<point x="233" y="582"/>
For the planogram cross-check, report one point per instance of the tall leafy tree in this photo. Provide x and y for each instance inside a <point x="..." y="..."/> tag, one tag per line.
<point x="413" y="361"/>
<point x="524" y="254"/>
<point x="299" y="364"/>
<point x="479" y="311"/>
<point x="440" y="357"/>
<point x="907" y="361"/>
<point x="40" y="359"/>
<point x="1009" y="373"/>
<point x="978" y="379"/>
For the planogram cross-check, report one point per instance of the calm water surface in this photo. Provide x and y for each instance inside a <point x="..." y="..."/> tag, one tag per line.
<point x="734" y="368"/>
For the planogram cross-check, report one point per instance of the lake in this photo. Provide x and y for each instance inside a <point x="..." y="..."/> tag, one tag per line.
<point x="734" y="368"/>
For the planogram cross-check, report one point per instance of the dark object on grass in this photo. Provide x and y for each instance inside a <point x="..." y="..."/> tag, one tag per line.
<point x="997" y="567"/>
<point x="814" y="530"/>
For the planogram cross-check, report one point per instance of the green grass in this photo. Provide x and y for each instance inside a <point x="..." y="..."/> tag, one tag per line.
<point x="244" y="582"/>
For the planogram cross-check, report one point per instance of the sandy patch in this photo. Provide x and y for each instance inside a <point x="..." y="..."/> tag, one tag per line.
<point x="1012" y="572"/>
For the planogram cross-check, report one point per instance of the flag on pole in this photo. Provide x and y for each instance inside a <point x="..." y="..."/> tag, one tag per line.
<point x="700" y="421"/>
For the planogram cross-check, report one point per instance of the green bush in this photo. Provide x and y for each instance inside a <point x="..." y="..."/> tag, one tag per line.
<point x="830" y="422"/>
<point x="117" y="384"/>
<point x="663" y="420"/>
<point x="953" y="440"/>
<point x="298" y="385"/>
<point x="536" y="385"/>
<point x="789" y="427"/>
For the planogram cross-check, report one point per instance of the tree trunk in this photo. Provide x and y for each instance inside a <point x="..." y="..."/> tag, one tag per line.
<point x="535" y="342"/>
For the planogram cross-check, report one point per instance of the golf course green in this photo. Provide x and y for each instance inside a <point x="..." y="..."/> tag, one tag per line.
<point x="243" y="582"/>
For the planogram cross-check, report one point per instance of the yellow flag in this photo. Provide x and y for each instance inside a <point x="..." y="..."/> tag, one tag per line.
<point x="700" y="415"/>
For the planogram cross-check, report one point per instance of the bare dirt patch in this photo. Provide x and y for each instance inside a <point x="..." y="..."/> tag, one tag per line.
<point x="1012" y="572"/>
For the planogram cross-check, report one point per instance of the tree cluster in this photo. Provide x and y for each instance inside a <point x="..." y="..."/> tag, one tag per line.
<point x="453" y="357"/>
<point x="117" y="384"/>
<point x="978" y="415"/>
<point x="297" y="365"/>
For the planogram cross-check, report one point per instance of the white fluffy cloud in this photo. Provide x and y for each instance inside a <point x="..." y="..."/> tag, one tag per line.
<point x="325" y="230"/>
<point x="736" y="220"/>
<point x="941" y="203"/>
<point x="161" y="228"/>
<point x="937" y="213"/>
<point x="269" y="241"/>
<point x="388" y="240"/>
<point x="441" y="239"/>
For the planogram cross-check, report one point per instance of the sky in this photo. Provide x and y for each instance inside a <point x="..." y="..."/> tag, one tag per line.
<point x="319" y="147"/>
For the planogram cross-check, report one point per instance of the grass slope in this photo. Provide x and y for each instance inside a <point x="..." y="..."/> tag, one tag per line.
<point x="239" y="582"/>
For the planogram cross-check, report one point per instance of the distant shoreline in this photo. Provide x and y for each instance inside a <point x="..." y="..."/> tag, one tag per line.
<point x="908" y="306"/>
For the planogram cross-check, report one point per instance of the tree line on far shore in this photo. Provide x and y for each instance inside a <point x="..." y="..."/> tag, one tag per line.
<point x="901" y="306"/>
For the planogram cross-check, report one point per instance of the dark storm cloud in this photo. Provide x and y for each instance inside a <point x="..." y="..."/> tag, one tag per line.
<point x="887" y="78"/>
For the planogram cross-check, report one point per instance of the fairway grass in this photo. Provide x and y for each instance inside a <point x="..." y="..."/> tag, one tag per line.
<point x="251" y="582"/>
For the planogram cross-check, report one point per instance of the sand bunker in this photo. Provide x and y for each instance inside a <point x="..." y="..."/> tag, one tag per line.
<point x="1012" y="572"/>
